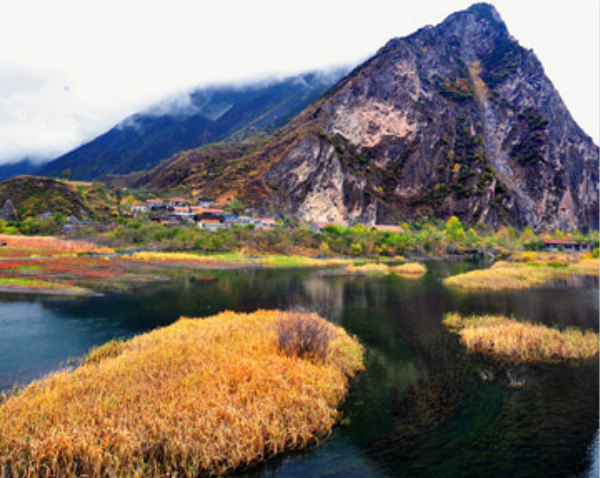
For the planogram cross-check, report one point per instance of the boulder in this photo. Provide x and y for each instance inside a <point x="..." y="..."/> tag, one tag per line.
<point x="8" y="212"/>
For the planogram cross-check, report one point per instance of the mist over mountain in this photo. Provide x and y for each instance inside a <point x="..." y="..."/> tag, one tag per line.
<point x="205" y="115"/>
<point x="453" y="119"/>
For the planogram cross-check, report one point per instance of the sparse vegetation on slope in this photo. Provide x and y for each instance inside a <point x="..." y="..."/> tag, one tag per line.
<point x="33" y="195"/>
<point x="197" y="397"/>
<point x="510" y="340"/>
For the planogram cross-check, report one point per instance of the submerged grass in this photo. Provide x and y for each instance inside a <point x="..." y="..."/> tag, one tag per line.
<point x="510" y="340"/>
<point x="512" y="275"/>
<point x="196" y="397"/>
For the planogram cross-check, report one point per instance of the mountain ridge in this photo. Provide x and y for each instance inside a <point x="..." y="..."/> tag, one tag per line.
<point x="456" y="118"/>
<point x="212" y="113"/>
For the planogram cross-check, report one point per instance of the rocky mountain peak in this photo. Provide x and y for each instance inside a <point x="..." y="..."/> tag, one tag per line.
<point x="456" y="119"/>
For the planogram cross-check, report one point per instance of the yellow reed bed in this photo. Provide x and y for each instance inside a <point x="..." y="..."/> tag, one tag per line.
<point x="410" y="269"/>
<point x="234" y="258"/>
<point x="509" y="275"/>
<point x="196" y="397"/>
<point x="508" y="339"/>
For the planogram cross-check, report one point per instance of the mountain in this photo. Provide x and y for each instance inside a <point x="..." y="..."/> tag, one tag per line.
<point x="24" y="166"/>
<point x="453" y="119"/>
<point x="33" y="196"/>
<point x="207" y="115"/>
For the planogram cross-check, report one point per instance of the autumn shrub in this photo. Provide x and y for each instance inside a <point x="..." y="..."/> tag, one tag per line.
<point x="303" y="335"/>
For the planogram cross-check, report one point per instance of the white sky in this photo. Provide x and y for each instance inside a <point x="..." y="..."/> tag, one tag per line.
<point x="71" y="69"/>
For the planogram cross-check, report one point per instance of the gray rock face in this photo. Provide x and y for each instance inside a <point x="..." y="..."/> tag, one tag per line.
<point x="453" y="119"/>
<point x="8" y="212"/>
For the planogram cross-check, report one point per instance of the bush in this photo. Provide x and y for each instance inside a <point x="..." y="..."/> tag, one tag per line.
<point x="303" y="335"/>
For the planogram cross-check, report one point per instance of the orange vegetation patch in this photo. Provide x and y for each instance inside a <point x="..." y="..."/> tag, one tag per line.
<point x="64" y="266"/>
<point x="51" y="244"/>
<point x="197" y="397"/>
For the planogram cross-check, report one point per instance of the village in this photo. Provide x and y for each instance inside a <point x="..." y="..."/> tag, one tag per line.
<point x="176" y="211"/>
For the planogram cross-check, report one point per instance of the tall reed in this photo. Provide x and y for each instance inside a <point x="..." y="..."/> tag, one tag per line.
<point x="196" y="397"/>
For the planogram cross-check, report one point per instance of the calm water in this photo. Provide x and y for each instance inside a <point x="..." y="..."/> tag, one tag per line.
<point x="419" y="410"/>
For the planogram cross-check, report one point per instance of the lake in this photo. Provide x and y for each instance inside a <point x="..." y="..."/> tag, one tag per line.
<point x="420" y="409"/>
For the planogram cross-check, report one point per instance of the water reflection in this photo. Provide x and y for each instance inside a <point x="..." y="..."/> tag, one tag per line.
<point x="419" y="410"/>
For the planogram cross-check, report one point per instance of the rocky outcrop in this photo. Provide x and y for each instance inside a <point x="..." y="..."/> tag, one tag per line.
<point x="8" y="212"/>
<point x="453" y="119"/>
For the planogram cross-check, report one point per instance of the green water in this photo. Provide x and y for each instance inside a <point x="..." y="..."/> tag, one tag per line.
<point x="419" y="410"/>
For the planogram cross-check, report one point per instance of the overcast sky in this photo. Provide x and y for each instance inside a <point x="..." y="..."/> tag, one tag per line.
<point x="71" y="69"/>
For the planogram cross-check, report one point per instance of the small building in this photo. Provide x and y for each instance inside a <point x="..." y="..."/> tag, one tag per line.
<point x="153" y="202"/>
<point x="180" y="210"/>
<point x="388" y="228"/>
<point x="211" y="225"/>
<point x="177" y="202"/>
<point x="265" y="222"/>
<point x="204" y="202"/>
<point x="137" y="208"/>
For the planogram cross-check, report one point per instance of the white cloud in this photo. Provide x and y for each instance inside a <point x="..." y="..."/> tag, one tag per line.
<point x="69" y="69"/>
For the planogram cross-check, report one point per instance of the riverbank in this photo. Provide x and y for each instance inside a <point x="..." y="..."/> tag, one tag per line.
<point x="197" y="397"/>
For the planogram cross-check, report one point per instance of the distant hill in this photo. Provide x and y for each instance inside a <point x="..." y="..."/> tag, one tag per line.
<point x="455" y="119"/>
<point x="32" y="196"/>
<point x="24" y="166"/>
<point x="211" y="114"/>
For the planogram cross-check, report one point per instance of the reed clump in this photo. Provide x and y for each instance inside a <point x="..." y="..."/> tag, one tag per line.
<point x="515" y="275"/>
<point x="370" y="268"/>
<point x="199" y="397"/>
<point x="508" y="339"/>
<point x="410" y="269"/>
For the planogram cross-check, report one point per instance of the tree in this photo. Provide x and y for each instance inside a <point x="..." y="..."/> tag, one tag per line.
<point x="454" y="230"/>
<point x="66" y="174"/>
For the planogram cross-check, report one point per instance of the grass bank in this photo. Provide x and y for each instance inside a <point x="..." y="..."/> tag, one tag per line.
<point x="510" y="340"/>
<point x="235" y="259"/>
<point x="522" y="275"/>
<point x="197" y="397"/>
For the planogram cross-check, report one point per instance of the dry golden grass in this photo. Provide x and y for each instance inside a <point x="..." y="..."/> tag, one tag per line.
<point x="509" y="275"/>
<point x="196" y="397"/>
<point x="509" y="339"/>
<point x="410" y="269"/>
<point x="234" y="258"/>
<point x="50" y="244"/>
<point x="369" y="268"/>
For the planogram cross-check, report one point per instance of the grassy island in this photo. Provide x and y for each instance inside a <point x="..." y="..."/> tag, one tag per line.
<point x="201" y="396"/>
<point x="504" y="275"/>
<point x="507" y="339"/>
<point x="410" y="269"/>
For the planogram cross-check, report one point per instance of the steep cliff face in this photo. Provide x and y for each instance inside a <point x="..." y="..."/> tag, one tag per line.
<point x="453" y="119"/>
